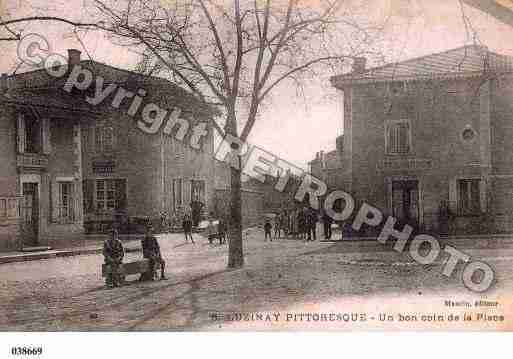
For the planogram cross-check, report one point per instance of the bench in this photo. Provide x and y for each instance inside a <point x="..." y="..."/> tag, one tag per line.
<point x="129" y="268"/>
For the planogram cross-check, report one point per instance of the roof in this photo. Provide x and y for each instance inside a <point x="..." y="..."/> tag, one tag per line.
<point x="47" y="99"/>
<point x="459" y="62"/>
<point x="37" y="88"/>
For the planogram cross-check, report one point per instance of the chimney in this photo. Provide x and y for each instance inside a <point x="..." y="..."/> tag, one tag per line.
<point x="73" y="57"/>
<point x="340" y="144"/>
<point x="3" y="83"/>
<point x="359" y="65"/>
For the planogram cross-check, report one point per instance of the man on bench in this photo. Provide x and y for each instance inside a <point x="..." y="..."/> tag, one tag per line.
<point x="113" y="254"/>
<point x="151" y="251"/>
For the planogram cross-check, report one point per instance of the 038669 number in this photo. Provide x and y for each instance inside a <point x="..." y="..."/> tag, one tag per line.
<point x="26" y="350"/>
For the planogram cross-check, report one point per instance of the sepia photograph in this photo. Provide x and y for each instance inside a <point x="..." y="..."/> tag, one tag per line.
<point x="255" y="166"/>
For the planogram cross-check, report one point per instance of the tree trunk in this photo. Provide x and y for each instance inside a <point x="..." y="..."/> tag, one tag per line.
<point x="235" y="250"/>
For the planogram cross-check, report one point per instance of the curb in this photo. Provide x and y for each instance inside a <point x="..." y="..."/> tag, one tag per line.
<point x="56" y="253"/>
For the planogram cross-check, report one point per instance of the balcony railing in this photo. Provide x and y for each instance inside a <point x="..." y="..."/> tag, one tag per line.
<point x="32" y="160"/>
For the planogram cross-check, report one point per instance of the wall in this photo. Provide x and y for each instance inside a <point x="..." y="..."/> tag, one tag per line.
<point x="252" y="206"/>
<point x="149" y="162"/>
<point x="8" y="176"/>
<point x="63" y="164"/>
<point x="501" y="176"/>
<point x="438" y="112"/>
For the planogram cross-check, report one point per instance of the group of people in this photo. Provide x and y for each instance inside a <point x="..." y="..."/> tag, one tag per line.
<point x="113" y="253"/>
<point x="299" y="223"/>
<point x="218" y="231"/>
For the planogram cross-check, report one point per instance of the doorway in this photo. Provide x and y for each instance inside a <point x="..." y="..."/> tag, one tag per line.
<point x="30" y="214"/>
<point x="405" y="201"/>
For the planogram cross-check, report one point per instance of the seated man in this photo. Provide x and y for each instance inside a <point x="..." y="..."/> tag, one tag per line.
<point x="113" y="254"/>
<point x="151" y="251"/>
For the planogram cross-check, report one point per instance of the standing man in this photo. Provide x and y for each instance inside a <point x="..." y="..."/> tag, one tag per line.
<point x="267" y="230"/>
<point x="113" y="254"/>
<point x="277" y="225"/>
<point x="327" y="221"/>
<point x="151" y="251"/>
<point x="443" y="218"/>
<point x="221" y="229"/>
<point x="187" y="227"/>
<point x="301" y="222"/>
<point x="311" y="224"/>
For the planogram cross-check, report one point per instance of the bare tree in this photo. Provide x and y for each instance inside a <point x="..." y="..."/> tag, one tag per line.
<point x="234" y="54"/>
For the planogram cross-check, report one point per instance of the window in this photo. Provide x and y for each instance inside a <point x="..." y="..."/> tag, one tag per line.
<point x="468" y="134"/>
<point x="9" y="208"/>
<point x="66" y="201"/>
<point x="104" y="139"/>
<point x="32" y="135"/>
<point x="398" y="138"/>
<point x="110" y="194"/>
<point x="105" y="195"/>
<point x="177" y="193"/>
<point x="468" y="196"/>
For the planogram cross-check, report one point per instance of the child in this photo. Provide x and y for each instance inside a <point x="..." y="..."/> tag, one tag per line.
<point x="267" y="229"/>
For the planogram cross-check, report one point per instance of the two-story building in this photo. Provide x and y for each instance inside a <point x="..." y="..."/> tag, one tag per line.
<point x="69" y="166"/>
<point x="428" y="140"/>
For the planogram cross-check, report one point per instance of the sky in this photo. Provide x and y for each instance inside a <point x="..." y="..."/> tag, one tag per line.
<point x="293" y="128"/>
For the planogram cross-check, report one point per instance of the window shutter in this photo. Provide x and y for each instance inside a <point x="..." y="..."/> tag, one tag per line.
<point x="406" y="137"/>
<point x="54" y="200"/>
<point x="113" y="138"/>
<point x="187" y="192"/>
<point x="88" y="188"/>
<point x="90" y="139"/>
<point x="45" y="136"/>
<point x="21" y="134"/>
<point x="482" y="195"/>
<point x="453" y="196"/>
<point x="389" y="138"/>
<point x="121" y="194"/>
<point x="97" y="139"/>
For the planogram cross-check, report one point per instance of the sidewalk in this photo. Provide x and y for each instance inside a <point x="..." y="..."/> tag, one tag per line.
<point x="478" y="241"/>
<point x="96" y="248"/>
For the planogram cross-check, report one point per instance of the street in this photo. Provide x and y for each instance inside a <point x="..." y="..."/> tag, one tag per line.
<point x="286" y="276"/>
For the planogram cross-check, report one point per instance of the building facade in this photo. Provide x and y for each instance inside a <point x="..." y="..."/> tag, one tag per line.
<point x="327" y="166"/>
<point x="258" y="198"/>
<point x="72" y="166"/>
<point x="426" y="140"/>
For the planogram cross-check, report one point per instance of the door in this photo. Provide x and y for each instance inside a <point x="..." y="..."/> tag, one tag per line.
<point x="30" y="214"/>
<point x="405" y="201"/>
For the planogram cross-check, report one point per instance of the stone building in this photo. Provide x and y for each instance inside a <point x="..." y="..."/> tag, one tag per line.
<point x="327" y="166"/>
<point x="258" y="198"/>
<point x="428" y="140"/>
<point x="69" y="166"/>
